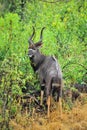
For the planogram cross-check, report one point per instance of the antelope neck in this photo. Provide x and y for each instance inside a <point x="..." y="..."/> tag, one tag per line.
<point x="40" y="62"/>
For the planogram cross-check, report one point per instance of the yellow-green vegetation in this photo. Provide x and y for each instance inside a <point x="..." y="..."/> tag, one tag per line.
<point x="65" y="37"/>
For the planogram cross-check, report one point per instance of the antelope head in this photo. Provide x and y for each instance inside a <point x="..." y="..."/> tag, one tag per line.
<point x="33" y="52"/>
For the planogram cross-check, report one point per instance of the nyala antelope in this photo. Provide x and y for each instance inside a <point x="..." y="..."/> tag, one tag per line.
<point x="49" y="71"/>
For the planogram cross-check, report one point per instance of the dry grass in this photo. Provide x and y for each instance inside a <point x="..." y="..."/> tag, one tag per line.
<point x="76" y="119"/>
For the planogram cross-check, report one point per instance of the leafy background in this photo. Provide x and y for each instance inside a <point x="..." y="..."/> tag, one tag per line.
<point x="65" y="37"/>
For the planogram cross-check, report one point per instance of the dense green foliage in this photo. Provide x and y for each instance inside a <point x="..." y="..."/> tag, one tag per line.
<point x="65" y="37"/>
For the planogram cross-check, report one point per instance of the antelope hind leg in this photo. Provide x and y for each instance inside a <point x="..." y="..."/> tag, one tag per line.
<point x="48" y="105"/>
<point x="60" y="107"/>
<point x="41" y="101"/>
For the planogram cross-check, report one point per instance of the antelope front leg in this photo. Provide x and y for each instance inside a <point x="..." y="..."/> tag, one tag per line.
<point x="41" y="101"/>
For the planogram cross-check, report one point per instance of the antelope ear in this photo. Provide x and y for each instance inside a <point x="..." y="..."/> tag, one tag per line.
<point x="38" y="45"/>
